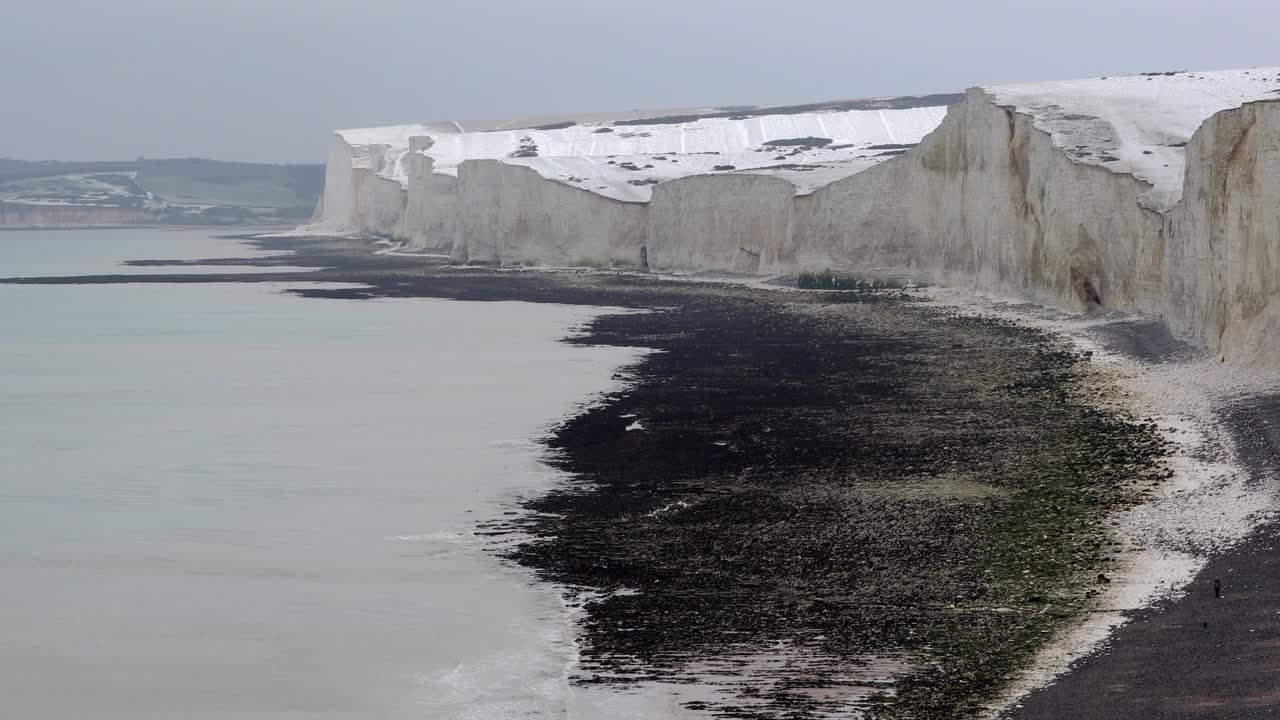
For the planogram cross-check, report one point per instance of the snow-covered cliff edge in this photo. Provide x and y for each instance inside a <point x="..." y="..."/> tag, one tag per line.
<point x="1154" y="193"/>
<point x="612" y="158"/>
<point x="998" y="201"/>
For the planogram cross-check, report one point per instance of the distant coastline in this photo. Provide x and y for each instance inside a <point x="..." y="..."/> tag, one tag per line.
<point x="253" y="228"/>
<point x="189" y="192"/>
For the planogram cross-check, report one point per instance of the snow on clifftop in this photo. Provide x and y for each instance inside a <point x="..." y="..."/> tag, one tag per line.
<point x="392" y="136"/>
<point x="624" y="159"/>
<point x="1136" y="124"/>
<point x="807" y="149"/>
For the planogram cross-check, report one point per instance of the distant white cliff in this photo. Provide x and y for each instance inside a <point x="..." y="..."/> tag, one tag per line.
<point x="619" y="157"/>
<point x="1154" y="193"/>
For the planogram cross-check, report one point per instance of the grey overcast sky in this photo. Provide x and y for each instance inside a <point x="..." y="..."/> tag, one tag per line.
<point x="266" y="80"/>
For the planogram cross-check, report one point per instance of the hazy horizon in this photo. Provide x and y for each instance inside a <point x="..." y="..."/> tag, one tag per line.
<point x="268" y="81"/>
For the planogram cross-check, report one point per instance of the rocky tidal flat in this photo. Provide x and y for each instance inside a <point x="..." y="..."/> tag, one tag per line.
<point x="861" y="473"/>
<point x="840" y="496"/>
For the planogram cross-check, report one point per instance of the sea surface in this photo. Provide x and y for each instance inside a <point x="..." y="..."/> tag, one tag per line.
<point x="225" y="501"/>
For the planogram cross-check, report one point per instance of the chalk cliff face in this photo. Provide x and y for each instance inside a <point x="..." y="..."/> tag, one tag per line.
<point x="356" y="198"/>
<point x="1157" y="194"/>
<point x="1222" y="240"/>
<point x="615" y="158"/>
<point x="987" y="199"/>
<point x="740" y="223"/>
<point x="431" y="201"/>
<point x="990" y="200"/>
<point x="508" y="214"/>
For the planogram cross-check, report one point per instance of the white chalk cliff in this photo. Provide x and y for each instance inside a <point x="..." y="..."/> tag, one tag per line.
<point x="1156" y="193"/>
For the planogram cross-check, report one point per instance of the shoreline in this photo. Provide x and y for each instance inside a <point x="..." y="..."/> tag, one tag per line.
<point x="795" y="357"/>
<point x="1218" y="502"/>
<point x="211" y="227"/>
<point x="1214" y="518"/>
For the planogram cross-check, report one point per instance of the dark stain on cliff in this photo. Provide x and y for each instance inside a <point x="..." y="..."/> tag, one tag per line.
<point x="1085" y="271"/>
<point x="1019" y="139"/>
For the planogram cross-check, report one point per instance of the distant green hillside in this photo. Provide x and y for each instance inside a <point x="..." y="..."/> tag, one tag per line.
<point x="25" y="169"/>
<point x="181" y="191"/>
<point x="230" y="184"/>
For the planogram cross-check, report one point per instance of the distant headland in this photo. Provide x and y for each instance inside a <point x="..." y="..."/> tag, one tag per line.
<point x="186" y="191"/>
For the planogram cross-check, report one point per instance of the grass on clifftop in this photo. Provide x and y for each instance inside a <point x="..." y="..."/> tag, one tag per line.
<point x="209" y="182"/>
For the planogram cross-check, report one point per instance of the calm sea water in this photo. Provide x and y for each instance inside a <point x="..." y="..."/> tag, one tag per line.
<point x="223" y="501"/>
